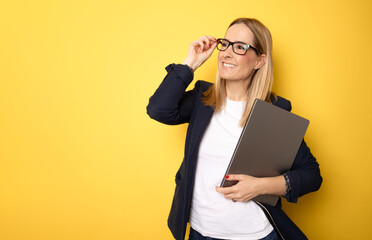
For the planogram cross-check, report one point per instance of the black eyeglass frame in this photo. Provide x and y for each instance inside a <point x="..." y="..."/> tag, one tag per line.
<point x="232" y="45"/>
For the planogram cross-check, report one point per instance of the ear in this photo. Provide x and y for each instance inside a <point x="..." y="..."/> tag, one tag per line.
<point x="260" y="61"/>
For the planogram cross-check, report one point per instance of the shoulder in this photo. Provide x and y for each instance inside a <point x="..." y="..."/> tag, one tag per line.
<point x="202" y="86"/>
<point x="281" y="102"/>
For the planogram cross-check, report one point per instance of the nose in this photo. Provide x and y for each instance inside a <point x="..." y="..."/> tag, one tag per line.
<point x="228" y="52"/>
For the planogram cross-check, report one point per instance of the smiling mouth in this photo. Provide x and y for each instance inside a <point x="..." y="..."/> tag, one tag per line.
<point x="228" y="65"/>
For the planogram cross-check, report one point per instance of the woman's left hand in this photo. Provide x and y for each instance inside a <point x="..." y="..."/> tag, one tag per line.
<point x="249" y="187"/>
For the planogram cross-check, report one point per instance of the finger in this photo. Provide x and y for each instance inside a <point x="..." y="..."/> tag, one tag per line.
<point x="210" y="42"/>
<point x="225" y="190"/>
<point x="234" y="177"/>
<point x="207" y="41"/>
<point x="211" y="38"/>
<point x="198" y="45"/>
<point x="239" y="197"/>
<point x="230" y="197"/>
<point x="204" y="45"/>
<point x="212" y="47"/>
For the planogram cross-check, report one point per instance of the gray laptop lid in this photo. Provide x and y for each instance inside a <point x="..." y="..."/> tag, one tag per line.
<point x="268" y="144"/>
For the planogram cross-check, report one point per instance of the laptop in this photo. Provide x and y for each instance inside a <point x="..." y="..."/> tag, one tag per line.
<point x="267" y="145"/>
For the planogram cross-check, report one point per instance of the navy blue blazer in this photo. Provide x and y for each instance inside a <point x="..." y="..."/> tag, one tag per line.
<point x="171" y="105"/>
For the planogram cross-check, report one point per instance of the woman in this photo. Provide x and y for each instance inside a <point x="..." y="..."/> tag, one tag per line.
<point x="216" y="114"/>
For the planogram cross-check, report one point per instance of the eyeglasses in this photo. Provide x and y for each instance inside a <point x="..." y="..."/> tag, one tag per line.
<point x="239" y="48"/>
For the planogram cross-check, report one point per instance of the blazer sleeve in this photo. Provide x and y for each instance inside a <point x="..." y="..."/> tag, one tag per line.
<point x="304" y="175"/>
<point x="170" y="104"/>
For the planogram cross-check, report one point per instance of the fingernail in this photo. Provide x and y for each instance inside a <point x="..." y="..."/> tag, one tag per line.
<point x="227" y="176"/>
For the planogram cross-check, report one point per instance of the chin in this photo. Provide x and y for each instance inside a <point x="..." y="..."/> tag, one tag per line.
<point x="228" y="77"/>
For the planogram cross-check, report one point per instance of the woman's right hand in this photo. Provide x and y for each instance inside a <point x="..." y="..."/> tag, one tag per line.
<point x="199" y="51"/>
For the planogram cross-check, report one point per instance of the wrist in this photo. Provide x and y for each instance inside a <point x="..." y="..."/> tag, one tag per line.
<point x="191" y="64"/>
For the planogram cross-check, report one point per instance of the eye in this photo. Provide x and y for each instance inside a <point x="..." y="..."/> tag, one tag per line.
<point x="223" y="43"/>
<point x="242" y="46"/>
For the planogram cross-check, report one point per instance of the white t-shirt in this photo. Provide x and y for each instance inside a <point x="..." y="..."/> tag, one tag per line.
<point x="211" y="214"/>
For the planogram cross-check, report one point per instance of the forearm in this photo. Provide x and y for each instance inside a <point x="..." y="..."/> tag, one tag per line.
<point x="273" y="185"/>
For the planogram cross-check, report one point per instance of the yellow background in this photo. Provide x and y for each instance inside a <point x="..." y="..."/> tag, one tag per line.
<point x="79" y="157"/>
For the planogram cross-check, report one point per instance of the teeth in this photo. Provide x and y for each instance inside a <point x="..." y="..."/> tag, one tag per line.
<point x="228" y="65"/>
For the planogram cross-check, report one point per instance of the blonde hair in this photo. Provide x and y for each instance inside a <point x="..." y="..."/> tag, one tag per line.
<point x="262" y="79"/>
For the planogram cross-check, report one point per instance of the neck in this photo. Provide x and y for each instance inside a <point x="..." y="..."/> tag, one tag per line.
<point x="237" y="90"/>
